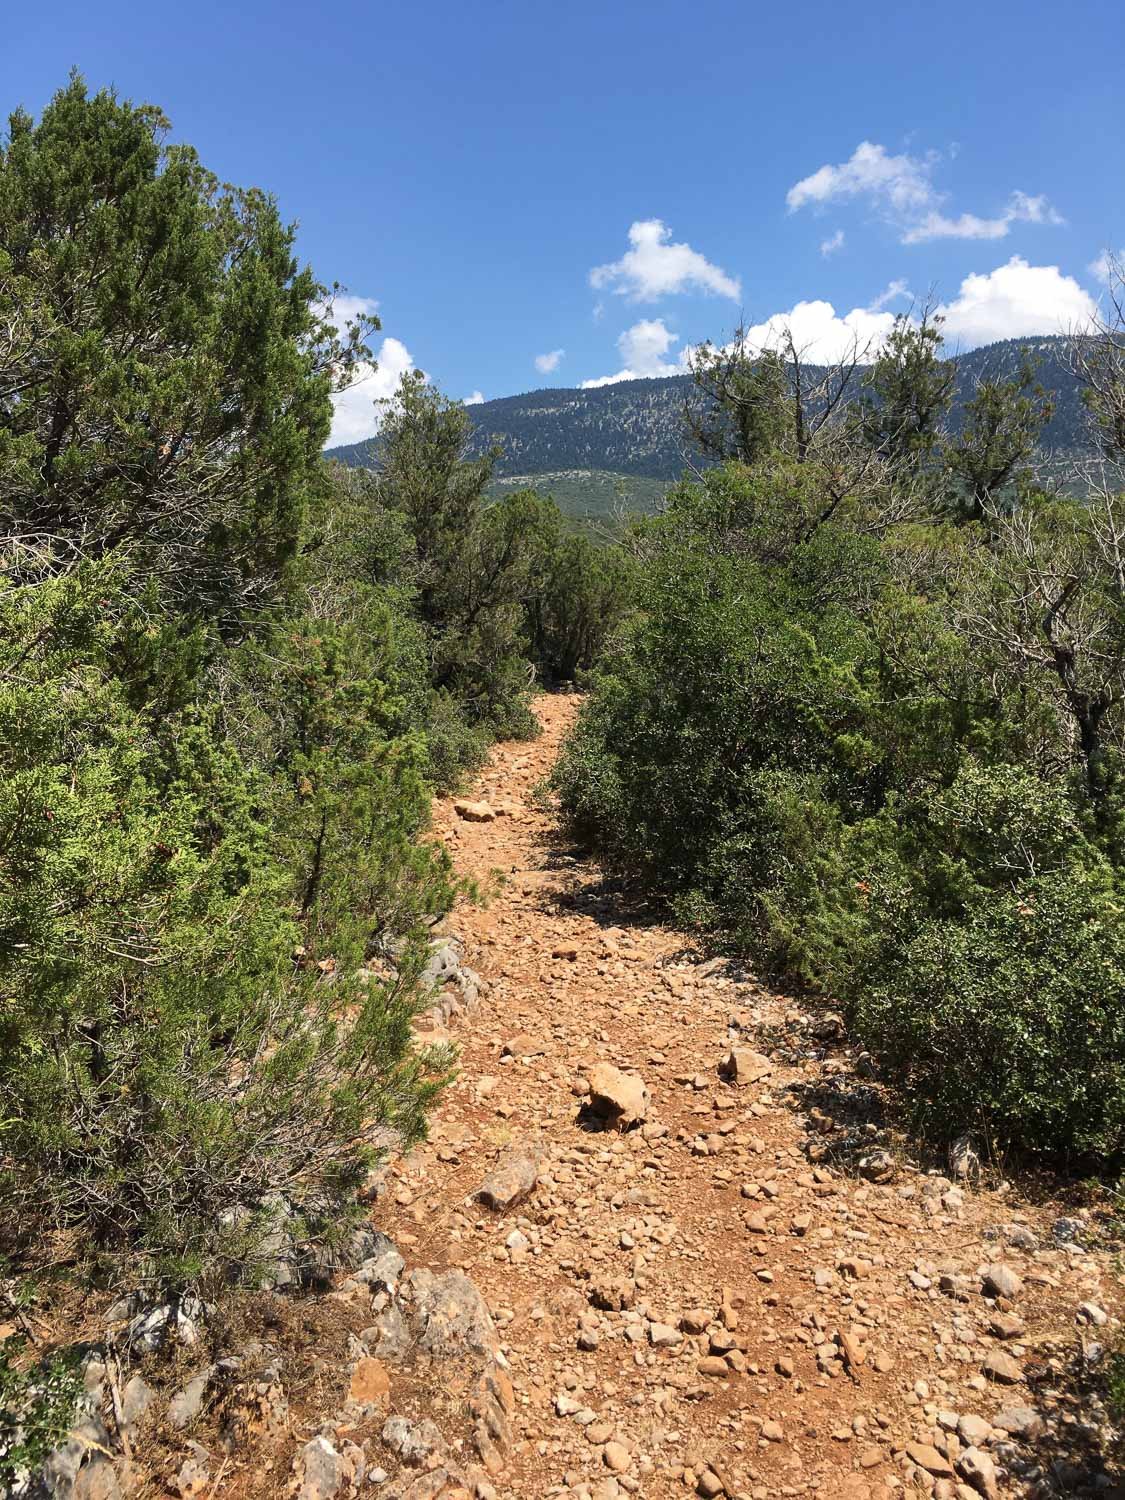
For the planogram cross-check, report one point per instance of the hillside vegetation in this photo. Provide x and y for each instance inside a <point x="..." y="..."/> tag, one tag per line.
<point x="638" y="428"/>
<point x="231" y="677"/>
<point x="856" y="708"/>
<point x="867" y="725"/>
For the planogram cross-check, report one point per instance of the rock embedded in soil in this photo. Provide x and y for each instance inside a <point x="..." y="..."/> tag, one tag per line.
<point x="619" y="1098"/>
<point x="1002" y="1368"/>
<point x="474" y="812"/>
<point x="999" y="1280"/>
<point x="741" y="1066"/>
<point x="510" y="1181"/>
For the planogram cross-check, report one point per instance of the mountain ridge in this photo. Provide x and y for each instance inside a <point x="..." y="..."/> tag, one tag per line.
<point x="635" y="428"/>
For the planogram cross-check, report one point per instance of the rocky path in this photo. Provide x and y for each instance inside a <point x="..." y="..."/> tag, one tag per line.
<point x="717" y="1280"/>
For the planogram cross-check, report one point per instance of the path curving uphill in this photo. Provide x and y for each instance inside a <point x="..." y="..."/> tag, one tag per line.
<point x="708" y="1274"/>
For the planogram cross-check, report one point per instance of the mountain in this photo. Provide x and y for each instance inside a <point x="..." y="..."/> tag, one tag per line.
<point x="590" y="446"/>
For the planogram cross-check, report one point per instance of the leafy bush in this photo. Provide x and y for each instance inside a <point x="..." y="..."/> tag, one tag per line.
<point x="991" y="972"/>
<point x="37" y="1404"/>
<point x="166" y="1059"/>
<point x="855" y="759"/>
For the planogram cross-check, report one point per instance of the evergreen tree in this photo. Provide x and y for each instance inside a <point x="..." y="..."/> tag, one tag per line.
<point x="907" y="392"/>
<point x="987" y="464"/>
<point x="165" y="368"/>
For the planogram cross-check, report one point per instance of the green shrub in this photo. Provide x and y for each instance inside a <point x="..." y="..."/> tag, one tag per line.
<point x="845" y="777"/>
<point x="37" y="1405"/>
<point x="991" y="976"/>
<point x="166" y="1062"/>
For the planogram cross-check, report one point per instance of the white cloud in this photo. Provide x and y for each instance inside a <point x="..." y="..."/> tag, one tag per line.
<point x="901" y="187"/>
<point x="344" y="309"/>
<point x="890" y="293"/>
<point x="643" y="347"/>
<point x="1106" y="268"/>
<point x="545" y="363"/>
<point x="833" y="243"/>
<point x="355" y="414"/>
<point x="902" y="182"/>
<point x="476" y="399"/>
<point x="1015" y="300"/>
<point x="1022" y="208"/>
<point x="820" y="334"/>
<point x="654" y="267"/>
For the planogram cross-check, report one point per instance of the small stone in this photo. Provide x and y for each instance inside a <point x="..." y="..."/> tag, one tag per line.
<point x="1093" y="1314"/>
<point x="664" y="1336"/>
<point x="974" y="1430"/>
<point x="978" y="1470"/>
<point x="773" y="1432"/>
<point x="510" y="1181"/>
<point x="187" y="1404"/>
<point x="741" y="1067"/>
<point x="1018" y="1421"/>
<point x="879" y="1166"/>
<point x="616" y="1457"/>
<point x="927" y="1457"/>
<point x="714" y="1366"/>
<point x="474" y="812"/>
<point x="1002" y="1368"/>
<point x="523" y="1044"/>
<point x="1006" y="1325"/>
<point x="617" y="1097"/>
<point x="999" y="1280"/>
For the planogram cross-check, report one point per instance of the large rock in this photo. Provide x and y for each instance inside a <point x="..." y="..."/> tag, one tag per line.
<point x="474" y="812"/>
<point x="1018" y="1421"/>
<point x="742" y="1066"/>
<point x="324" y="1473"/>
<point x="447" y="1315"/>
<point x="977" y="1469"/>
<point x="927" y="1457"/>
<point x="618" y="1098"/>
<point x="1003" y="1369"/>
<point x="999" y="1280"/>
<point x="510" y="1180"/>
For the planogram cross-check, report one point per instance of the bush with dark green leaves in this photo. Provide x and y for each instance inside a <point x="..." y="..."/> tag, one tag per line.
<point x="171" y="1052"/>
<point x="848" y="750"/>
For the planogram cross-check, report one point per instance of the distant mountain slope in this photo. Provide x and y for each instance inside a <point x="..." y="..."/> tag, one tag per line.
<point x="636" y="427"/>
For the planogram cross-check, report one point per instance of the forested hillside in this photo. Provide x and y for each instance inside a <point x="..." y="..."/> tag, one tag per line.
<point x="637" y="427"/>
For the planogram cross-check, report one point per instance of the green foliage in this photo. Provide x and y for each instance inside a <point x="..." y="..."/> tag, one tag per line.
<point x="861" y="751"/>
<point x="493" y="590"/>
<point x="988" y="463"/>
<point x="908" y="391"/>
<point x="166" y="373"/>
<point x="37" y="1405"/>
<point x="994" y="932"/>
<point x="739" y="408"/>
<point x="166" y="1060"/>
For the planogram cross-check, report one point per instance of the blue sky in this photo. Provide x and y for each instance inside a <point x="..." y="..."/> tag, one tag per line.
<point x="470" y="167"/>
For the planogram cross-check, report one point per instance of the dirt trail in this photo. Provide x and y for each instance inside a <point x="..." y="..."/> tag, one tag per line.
<point x="719" y="1302"/>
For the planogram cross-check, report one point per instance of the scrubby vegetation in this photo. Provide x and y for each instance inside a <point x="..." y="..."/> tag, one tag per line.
<point x="859" y="713"/>
<point x="231" y="677"/>
<point x="867" y="725"/>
